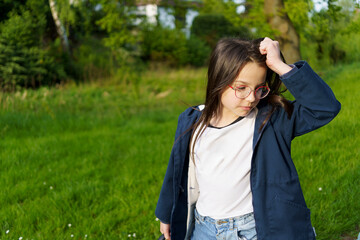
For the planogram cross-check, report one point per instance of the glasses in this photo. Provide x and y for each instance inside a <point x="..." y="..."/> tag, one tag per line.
<point x="244" y="91"/>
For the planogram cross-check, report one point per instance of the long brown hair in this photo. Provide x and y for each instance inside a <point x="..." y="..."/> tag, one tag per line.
<point x="228" y="58"/>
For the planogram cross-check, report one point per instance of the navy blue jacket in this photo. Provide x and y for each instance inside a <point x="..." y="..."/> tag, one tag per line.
<point x="279" y="207"/>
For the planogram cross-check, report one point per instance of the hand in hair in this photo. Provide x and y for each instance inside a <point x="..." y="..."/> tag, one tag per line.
<point x="273" y="59"/>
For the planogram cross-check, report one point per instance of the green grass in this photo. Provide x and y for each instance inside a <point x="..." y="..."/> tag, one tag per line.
<point x="94" y="156"/>
<point x="328" y="158"/>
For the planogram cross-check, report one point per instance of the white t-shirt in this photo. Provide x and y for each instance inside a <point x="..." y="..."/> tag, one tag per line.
<point x="222" y="167"/>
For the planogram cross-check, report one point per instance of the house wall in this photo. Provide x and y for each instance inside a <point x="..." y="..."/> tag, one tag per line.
<point x="150" y="11"/>
<point x="165" y="16"/>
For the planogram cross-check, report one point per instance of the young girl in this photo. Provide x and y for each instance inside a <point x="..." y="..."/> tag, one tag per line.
<point x="230" y="174"/>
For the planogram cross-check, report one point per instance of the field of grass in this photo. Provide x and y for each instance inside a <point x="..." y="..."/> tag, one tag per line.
<point x="87" y="162"/>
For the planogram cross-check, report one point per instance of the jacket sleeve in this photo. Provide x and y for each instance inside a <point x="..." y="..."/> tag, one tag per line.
<point x="165" y="203"/>
<point x="315" y="104"/>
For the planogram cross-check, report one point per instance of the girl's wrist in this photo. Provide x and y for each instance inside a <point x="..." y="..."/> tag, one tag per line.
<point x="281" y="68"/>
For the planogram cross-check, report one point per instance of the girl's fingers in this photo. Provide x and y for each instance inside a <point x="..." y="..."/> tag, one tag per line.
<point x="268" y="46"/>
<point x="165" y="229"/>
<point x="273" y="58"/>
<point x="167" y="236"/>
<point x="262" y="50"/>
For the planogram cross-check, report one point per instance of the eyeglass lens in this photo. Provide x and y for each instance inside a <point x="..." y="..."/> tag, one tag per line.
<point x="244" y="92"/>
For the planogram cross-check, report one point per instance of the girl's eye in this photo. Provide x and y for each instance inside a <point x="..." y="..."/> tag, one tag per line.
<point x="241" y="88"/>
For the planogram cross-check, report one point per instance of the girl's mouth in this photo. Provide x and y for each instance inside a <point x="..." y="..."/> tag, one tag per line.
<point x="246" y="108"/>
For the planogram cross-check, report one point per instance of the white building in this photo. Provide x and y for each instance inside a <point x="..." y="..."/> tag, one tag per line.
<point x="150" y="11"/>
<point x="157" y="10"/>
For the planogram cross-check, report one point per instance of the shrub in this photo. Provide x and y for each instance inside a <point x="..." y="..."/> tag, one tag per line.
<point x="27" y="67"/>
<point x="164" y="45"/>
<point x="92" y="59"/>
<point x="211" y="27"/>
<point x="171" y="47"/>
<point x="198" y="51"/>
<point x="22" y="62"/>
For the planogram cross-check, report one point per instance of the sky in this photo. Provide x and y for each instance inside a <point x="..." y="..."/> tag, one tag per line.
<point x="319" y="4"/>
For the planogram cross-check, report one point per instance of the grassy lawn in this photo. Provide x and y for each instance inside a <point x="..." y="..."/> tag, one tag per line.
<point x="87" y="162"/>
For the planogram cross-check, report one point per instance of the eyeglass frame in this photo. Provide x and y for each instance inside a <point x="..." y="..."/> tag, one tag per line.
<point x="234" y="88"/>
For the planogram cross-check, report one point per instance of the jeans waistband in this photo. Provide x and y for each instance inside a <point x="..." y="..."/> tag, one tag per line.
<point x="238" y="219"/>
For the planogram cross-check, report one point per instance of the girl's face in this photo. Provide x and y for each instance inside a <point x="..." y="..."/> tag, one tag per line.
<point x="252" y="75"/>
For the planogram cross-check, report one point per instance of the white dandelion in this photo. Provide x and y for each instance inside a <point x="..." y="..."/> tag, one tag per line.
<point x="85" y="235"/>
<point x="129" y="235"/>
<point x="134" y="234"/>
<point x="69" y="225"/>
<point x="72" y="235"/>
<point x="7" y="231"/>
<point x="320" y="189"/>
<point x="156" y="219"/>
<point x="51" y="187"/>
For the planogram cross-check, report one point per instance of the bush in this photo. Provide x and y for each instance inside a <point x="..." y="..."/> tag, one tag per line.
<point x="27" y="67"/>
<point x="211" y="27"/>
<point x="164" y="45"/>
<point x="22" y="62"/>
<point x="198" y="51"/>
<point x="22" y="30"/>
<point x="171" y="47"/>
<point x="92" y="59"/>
<point x="349" y="46"/>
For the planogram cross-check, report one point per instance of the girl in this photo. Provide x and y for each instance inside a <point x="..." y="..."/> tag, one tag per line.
<point x="230" y="174"/>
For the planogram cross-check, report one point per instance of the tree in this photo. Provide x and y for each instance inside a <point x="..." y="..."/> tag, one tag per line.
<point x="8" y="6"/>
<point x="228" y="9"/>
<point x="59" y="26"/>
<point x="286" y="34"/>
<point x="118" y="21"/>
<point x="23" y="63"/>
<point x="211" y="27"/>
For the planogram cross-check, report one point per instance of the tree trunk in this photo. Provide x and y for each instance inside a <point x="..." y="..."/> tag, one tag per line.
<point x="288" y="37"/>
<point x="59" y="26"/>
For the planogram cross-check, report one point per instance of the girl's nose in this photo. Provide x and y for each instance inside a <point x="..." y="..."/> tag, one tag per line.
<point x="251" y="97"/>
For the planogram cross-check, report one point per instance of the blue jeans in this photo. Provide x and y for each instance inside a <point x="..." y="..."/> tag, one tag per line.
<point x="237" y="228"/>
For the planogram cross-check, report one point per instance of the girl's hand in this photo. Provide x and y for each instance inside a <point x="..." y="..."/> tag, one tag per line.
<point x="273" y="59"/>
<point x="165" y="229"/>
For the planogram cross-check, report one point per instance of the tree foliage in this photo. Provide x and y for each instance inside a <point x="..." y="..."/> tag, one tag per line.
<point x="164" y="45"/>
<point x="325" y="35"/>
<point x="172" y="48"/>
<point x="298" y="11"/>
<point x="109" y="38"/>
<point x="23" y="62"/>
<point x="211" y="27"/>
<point x="325" y="27"/>
<point x="118" y="21"/>
<point x="255" y="19"/>
<point x="227" y="9"/>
